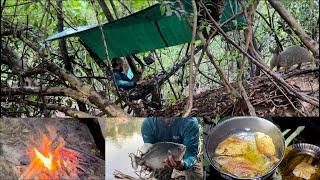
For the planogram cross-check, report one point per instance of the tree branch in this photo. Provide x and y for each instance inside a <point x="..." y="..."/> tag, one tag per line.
<point x="84" y="90"/>
<point x="191" y="75"/>
<point x="295" y="26"/>
<point x="106" y="10"/>
<point x="114" y="9"/>
<point x="69" y="111"/>
<point x="248" y="12"/>
<point x="62" y="42"/>
<point x="45" y="91"/>
<point x="266" y="70"/>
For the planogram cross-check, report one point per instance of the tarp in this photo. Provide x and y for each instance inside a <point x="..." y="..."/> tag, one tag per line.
<point x="231" y="8"/>
<point x="143" y="31"/>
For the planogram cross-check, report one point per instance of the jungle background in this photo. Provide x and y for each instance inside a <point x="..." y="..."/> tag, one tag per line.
<point x="229" y="74"/>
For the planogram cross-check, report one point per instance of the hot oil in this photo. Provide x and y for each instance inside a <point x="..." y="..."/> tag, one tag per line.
<point x="246" y="136"/>
<point x="251" y="162"/>
<point x="252" y="153"/>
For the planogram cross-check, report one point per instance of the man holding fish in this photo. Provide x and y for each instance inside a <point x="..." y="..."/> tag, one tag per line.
<point x="175" y="132"/>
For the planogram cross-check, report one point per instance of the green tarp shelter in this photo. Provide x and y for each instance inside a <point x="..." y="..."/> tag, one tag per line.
<point x="144" y="31"/>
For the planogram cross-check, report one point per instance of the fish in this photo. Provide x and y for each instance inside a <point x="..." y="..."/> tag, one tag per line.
<point x="240" y="166"/>
<point x="232" y="146"/>
<point x="154" y="158"/>
<point x="265" y="144"/>
<point x="247" y="155"/>
<point x="304" y="170"/>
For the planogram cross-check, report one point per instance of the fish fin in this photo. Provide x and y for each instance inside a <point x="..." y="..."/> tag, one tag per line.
<point x="145" y="148"/>
<point x="134" y="161"/>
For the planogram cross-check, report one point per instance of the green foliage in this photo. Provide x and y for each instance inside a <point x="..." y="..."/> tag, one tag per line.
<point x="32" y="98"/>
<point x="138" y="4"/>
<point x="251" y="2"/>
<point x="216" y="119"/>
<point x="43" y="22"/>
<point x="116" y="132"/>
<point x="169" y="8"/>
<point x="234" y="23"/>
<point x="204" y="25"/>
<point x="166" y="8"/>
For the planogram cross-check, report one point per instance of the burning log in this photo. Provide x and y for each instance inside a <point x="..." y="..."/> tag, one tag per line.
<point x="52" y="161"/>
<point x="59" y="151"/>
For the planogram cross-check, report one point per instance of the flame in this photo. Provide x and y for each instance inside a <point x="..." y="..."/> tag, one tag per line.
<point x="47" y="161"/>
<point x="51" y="160"/>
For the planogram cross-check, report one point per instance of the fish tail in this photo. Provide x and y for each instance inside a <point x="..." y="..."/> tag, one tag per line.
<point x="134" y="161"/>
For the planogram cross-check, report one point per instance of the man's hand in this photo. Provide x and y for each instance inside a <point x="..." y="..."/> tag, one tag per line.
<point x="141" y="82"/>
<point x="170" y="163"/>
<point x="143" y="166"/>
<point x="138" y="82"/>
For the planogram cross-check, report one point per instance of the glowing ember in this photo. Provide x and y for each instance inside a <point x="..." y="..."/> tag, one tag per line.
<point x="51" y="160"/>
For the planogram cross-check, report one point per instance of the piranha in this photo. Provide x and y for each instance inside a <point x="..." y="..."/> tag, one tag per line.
<point x="155" y="156"/>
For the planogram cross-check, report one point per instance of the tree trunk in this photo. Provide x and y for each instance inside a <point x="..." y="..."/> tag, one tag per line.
<point x="133" y="67"/>
<point x="64" y="51"/>
<point x="106" y="10"/>
<point x="96" y="58"/>
<point x="114" y="9"/>
<point x="305" y="38"/>
<point x="257" y="71"/>
<point x="249" y="36"/>
<point x="62" y="42"/>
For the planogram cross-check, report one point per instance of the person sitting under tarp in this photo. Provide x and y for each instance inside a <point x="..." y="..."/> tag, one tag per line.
<point x="127" y="85"/>
<point x="121" y="79"/>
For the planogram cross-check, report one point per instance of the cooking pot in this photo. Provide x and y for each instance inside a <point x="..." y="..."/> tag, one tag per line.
<point x="243" y="124"/>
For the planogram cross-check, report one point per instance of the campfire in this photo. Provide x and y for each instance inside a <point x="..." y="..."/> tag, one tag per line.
<point x="51" y="159"/>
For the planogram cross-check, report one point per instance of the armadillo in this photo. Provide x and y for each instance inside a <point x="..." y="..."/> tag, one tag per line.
<point x="289" y="57"/>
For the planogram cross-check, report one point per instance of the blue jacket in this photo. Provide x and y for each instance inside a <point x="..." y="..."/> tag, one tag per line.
<point x="122" y="80"/>
<point x="178" y="130"/>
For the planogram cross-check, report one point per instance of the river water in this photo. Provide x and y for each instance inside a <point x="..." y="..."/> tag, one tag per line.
<point x="122" y="139"/>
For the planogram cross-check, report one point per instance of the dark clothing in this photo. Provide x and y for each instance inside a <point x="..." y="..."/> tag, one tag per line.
<point x="122" y="80"/>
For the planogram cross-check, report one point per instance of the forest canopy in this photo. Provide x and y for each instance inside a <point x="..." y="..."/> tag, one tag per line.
<point x="217" y="73"/>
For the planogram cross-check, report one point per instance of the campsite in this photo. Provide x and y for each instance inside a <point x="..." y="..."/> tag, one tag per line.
<point x="68" y="66"/>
